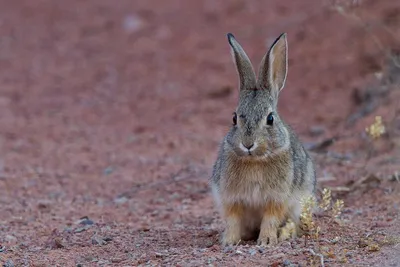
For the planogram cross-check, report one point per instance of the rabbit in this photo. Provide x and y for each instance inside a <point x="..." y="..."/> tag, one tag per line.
<point x="262" y="170"/>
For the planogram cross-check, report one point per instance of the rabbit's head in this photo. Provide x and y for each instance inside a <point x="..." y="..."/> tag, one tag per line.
<point x="257" y="129"/>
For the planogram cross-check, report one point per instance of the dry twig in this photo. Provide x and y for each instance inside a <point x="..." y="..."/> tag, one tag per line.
<point x="321" y="257"/>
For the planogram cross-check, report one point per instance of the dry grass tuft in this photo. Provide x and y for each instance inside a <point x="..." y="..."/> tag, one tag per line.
<point x="337" y="209"/>
<point x="376" y="129"/>
<point x="306" y="216"/>
<point x="391" y="240"/>
<point x="326" y="199"/>
<point x="288" y="230"/>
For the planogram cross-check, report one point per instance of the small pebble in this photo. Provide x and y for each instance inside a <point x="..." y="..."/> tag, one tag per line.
<point x="98" y="240"/>
<point x="349" y="255"/>
<point x="57" y="243"/>
<point x="9" y="263"/>
<point x="214" y="248"/>
<point x="287" y="262"/>
<point x="228" y="249"/>
<point x="252" y="252"/>
<point x="108" y="170"/>
<point x="132" y="23"/>
<point x="82" y="229"/>
<point x="85" y="221"/>
<point x="335" y="240"/>
<point x="317" y="130"/>
<point x="10" y="238"/>
<point x="209" y="244"/>
<point x="107" y="239"/>
<point x="120" y="200"/>
<point x="358" y="212"/>
<point x="261" y="250"/>
<point x="68" y="229"/>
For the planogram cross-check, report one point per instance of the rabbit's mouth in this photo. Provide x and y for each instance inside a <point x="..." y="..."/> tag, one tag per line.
<point x="253" y="151"/>
<point x="248" y="150"/>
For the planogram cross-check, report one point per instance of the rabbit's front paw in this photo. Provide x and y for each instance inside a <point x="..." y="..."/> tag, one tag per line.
<point x="269" y="237"/>
<point x="230" y="238"/>
<point x="232" y="232"/>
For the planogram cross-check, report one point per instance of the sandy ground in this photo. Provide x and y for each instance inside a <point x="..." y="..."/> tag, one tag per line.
<point x="111" y="113"/>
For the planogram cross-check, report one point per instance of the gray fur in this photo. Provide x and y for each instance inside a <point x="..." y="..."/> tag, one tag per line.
<point x="278" y="169"/>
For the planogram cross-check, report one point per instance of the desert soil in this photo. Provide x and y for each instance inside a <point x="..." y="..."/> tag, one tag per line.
<point x="111" y="114"/>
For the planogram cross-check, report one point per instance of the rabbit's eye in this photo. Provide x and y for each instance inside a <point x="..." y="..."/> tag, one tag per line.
<point x="234" y="119"/>
<point x="270" y="119"/>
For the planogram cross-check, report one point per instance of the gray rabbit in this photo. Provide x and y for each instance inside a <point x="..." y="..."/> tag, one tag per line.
<point x="262" y="170"/>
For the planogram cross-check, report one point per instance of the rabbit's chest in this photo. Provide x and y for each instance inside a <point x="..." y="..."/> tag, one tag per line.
<point x="255" y="186"/>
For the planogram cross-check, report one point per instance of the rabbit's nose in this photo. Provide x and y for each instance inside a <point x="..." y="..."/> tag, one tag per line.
<point x="248" y="146"/>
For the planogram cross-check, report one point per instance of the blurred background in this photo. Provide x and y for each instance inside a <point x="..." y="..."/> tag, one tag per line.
<point x="112" y="111"/>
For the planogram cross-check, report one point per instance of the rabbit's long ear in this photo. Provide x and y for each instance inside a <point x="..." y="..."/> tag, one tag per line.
<point x="247" y="77"/>
<point x="274" y="65"/>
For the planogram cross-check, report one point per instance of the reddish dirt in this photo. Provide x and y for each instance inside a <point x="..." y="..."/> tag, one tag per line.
<point x="114" y="111"/>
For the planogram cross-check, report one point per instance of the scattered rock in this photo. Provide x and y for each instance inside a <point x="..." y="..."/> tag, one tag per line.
<point x="228" y="249"/>
<point x="286" y="263"/>
<point x="145" y="228"/>
<point x="85" y="221"/>
<point x="317" y="130"/>
<point x="261" y="250"/>
<point x="82" y="229"/>
<point x="294" y="253"/>
<point x="68" y="229"/>
<point x="160" y="255"/>
<point x="358" y="212"/>
<point x="349" y="255"/>
<point x="214" y="248"/>
<point x="55" y="240"/>
<point x="238" y="252"/>
<point x="2" y="249"/>
<point x="116" y="260"/>
<point x="252" y="252"/>
<point x="58" y="243"/>
<point x="208" y="243"/>
<point x="335" y="240"/>
<point x="108" y="170"/>
<point x="99" y="240"/>
<point x="10" y="238"/>
<point x="132" y="23"/>
<point x="9" y="263"/>
<point x="107" y="239"/>
<point x="24" y="245"/>
<point x="120" y="200"/>
<point x="44" y="206"/>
